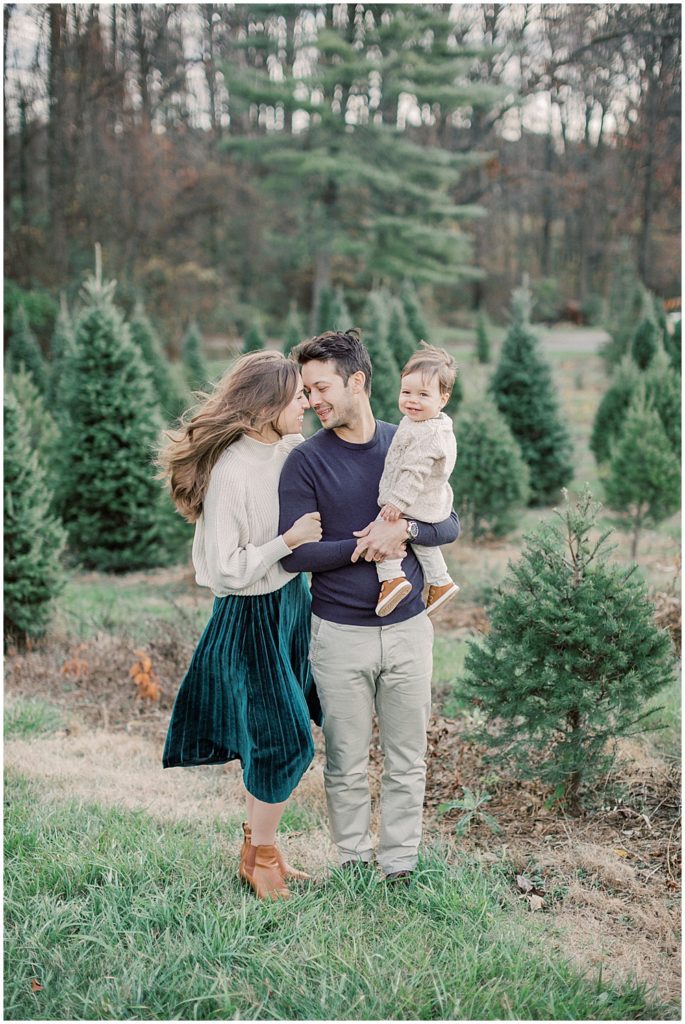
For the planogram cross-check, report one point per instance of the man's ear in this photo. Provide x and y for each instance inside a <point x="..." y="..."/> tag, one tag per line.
<point x="357" y="381"/>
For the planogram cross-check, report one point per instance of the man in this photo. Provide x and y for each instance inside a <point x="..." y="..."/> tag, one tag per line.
<point x="358" y="659"/>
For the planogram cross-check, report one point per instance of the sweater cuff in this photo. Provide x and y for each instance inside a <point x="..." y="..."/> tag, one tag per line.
<point x="273" y="551"/>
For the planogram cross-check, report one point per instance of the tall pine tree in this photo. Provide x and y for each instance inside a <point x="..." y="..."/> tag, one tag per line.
<point x="34" y="537"/>
<point x="524" y="392"/>
<point x="111" y="501"/>
<point x="386" y="374"/>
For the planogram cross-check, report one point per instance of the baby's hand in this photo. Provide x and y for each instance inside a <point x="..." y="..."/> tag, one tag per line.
<point x="390" y="513"/>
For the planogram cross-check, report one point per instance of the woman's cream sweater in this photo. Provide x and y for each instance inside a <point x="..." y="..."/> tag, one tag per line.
<point x="237" y="549"/>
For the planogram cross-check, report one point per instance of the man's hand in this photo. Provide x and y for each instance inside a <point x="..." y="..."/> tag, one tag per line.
<point x="380" y="540"/>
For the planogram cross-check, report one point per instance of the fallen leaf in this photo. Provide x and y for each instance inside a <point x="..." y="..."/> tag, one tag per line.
<point x="620" y="852"/>
<point x="35" y="987"/>
<point x="524" y="884"/>
<point x="536" y="902"/>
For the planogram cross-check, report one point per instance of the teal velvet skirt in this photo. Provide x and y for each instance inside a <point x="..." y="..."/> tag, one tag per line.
<point x="248" y="693"/>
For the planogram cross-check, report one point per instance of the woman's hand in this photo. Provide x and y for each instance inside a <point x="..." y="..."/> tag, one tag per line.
<point x="305" y="530"/>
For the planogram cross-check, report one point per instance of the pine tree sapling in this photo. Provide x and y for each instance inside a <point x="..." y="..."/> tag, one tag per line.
<point x="491" y="482"/>
<point x="644" y="342"/>
<point x="340" y="314"/>
<point x="572" y="656"/>
<point x="524" y="392"/>
<point x="194" y="363"/>
<point x="414" y="313"/>
<point x="323" y="316"/>
<point x="61" y="348"/>
<point x="146" y="340"/>
<point x="456" y="397"/>
<point x="402" y="342"/>
<point x="482" y="339"/>
<point x="42" y="431"/>
<point x="34" y="538"/>
<point x="24" y="350"/>
<point x="644" y="472"/>
<point x="386" y="372"/>
<point x="254" y="338"/>
<point x="293" y="331"/>
<point x="111" y="501"/>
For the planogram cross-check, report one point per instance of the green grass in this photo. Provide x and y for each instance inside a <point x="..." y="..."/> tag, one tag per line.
<point x="28" y="718"/>
<point x="666" y="737"/>
<point x="118" y="916"/>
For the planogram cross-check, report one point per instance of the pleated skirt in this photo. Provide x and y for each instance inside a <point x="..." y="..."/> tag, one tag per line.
<point x="248" y="693"/>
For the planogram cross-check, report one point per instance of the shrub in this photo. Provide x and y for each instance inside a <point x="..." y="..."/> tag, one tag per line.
<point x="111" y="502"/>
<point x="644" y="472"/>
<point x="491" y="482"/>
<point x="34" y="537"/>
<point x="524" y="393"/>
<point x="572" y="655"/>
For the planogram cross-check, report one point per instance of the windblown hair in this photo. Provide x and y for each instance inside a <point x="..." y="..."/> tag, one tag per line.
<point x="430" y="362"/>
<point x="344" y="348"/>
<point x="249" y="397"/>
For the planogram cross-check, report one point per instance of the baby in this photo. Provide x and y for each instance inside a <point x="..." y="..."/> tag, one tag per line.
<point x="415" y="481"/>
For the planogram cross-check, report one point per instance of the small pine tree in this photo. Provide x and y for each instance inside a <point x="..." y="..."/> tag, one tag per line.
<point x="402" y="342"/>
<point x="147" y="341"/>
<point x="194" y="363"/>
<point x="414" y="313"/>
<point x="491" y="482"/>
<point x="23" y="350"/>
<point x="572" y="655"/>
<point x="456" y="397"/>
<point x="254" y="338"/>
<point x="644" y="342"/>
<point x="644" y="472"/>
<point x="482" y="339"/>
<point x="674" y="346"/>
<point x="612" y="409"/>
<point x="34" y="538"/>
<point x="340" y="314"/>
<point x="624" y="315"/>
<point x="42" y="430"/>
<point x="386" y="373"/>
<point x="61" y="348"/>
<point x="323" y="317"/>
<point x="111" y="502"/>
<point x="293" y="331"/>
<point x="524" y="393"/>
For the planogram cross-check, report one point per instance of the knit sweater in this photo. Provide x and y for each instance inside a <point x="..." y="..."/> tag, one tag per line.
<point x="237" y="548"/>
<point x="418" y="466"/>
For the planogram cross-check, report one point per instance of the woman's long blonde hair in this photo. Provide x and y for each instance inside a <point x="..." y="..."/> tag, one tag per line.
<point x="249" y="397"/>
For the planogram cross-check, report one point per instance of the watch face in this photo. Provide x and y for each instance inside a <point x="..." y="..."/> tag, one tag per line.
<point x="413" y="530"/>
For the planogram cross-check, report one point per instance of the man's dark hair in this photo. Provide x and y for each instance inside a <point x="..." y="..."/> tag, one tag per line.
<point x="344" y="348"/>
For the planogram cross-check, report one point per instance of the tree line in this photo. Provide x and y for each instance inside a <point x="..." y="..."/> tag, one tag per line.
<point x="235" y="157"/>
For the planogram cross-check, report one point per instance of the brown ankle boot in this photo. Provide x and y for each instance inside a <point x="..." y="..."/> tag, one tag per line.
<point x="261" y="870"/>
<point x="287" y="870"/>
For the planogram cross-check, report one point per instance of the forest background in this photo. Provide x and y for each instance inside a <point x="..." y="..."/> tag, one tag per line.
<point x="235" y="159"/>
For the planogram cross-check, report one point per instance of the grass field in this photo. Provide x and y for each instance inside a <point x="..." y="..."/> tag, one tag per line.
<point x="121" y="896"/>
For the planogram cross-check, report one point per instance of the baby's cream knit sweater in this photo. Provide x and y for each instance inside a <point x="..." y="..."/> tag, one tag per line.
<point x="237" y="549"/>
<point x="418" y="466"/>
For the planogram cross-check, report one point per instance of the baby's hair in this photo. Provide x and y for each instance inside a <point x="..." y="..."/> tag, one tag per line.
<point x="431" y="362"/>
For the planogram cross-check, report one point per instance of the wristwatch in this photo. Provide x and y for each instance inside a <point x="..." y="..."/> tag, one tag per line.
<point x="412" y="529"/>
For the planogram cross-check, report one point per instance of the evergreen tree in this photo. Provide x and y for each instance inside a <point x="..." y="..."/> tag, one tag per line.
<point x="34" y="537"/>
<point x="147" y="341"/>
<point x="644" y="472"/>
<point x="386" y="373"/>
<point x="482" y="339"/>
<point x="402" y="341"/>
<point x="456" y="396"/>
<point x="194" y="363"/>
<point x="491" y="482"/>
<point x="294" y="333"/>
<point x="23" y="350"/>
<point x="61" y="348"/>
<point x="572" y="655"/>
<point x="643" y="344"/>
<point x="340" y="314"/>
<point x="524" y="393"/>
<point x="612" y="409"/>
<point x="111" y="502"/>
<point x="254" y="338"/>
<point x="673" y="346"/>
<point x="43" y="434"/>
<point x="414" y="313"/>
<point x="323" y="320"/>
<point x="624" y="315"/>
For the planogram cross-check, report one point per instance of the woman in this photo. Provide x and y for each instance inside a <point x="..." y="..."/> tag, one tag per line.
<point x="248" y="692"/>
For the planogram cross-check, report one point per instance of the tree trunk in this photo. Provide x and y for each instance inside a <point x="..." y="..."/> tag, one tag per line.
<point x="57" y="200"/>
<point x="7" y="14"/>
<point x="648" y="183"/>
<point x="572" y="785"/>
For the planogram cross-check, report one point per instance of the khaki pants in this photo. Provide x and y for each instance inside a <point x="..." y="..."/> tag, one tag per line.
<point x="356" y="668"/>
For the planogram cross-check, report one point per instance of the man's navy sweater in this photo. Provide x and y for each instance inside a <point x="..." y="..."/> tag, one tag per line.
<point x="340" y="480"/>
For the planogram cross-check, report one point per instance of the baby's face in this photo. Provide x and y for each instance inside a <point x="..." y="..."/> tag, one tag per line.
<point x="421" y="399"/>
